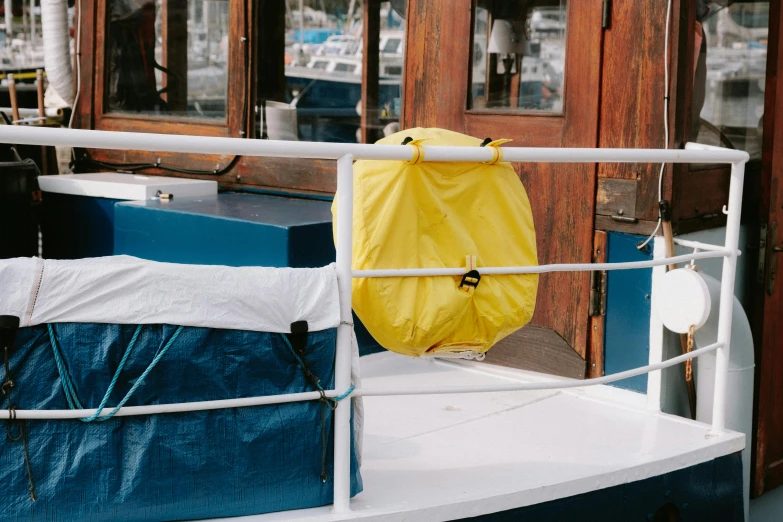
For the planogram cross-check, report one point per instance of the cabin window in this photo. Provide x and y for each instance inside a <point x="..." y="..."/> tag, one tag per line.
<point x="730" y="75"/>
<point x="518" y="59"/>
<point x="167" y="58"/>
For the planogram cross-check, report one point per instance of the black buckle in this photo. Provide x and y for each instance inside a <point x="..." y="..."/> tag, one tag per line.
<point x="298" y="336"/>
<point x="9" y="324"/>
<point x="471" y="279"/>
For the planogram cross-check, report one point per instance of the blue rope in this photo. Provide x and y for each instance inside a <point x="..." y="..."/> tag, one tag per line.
<point x="65" y="378"/>
<point x="70" y="391"/>
<point x="344" y="395"/>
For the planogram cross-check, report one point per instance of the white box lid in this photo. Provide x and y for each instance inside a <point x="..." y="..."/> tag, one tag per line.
<point x="131" y="187"/>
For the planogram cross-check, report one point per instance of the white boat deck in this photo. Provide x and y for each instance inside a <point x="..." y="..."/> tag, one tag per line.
<point x="444" y="457"/>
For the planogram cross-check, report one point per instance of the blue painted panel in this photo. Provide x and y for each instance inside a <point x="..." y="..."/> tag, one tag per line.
<point x="75" y="227"/>
<point x="228" y="229"/>
<point x="627" y="326"/>
<point x="708" y="491"/>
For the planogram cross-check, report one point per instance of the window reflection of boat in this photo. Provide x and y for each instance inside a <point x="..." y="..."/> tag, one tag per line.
<point x="325" y="85"/>
<point x="328" y="90"/>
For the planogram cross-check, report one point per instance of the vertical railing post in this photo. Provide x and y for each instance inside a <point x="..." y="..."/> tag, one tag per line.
<point x="342" y="378"/>
<point x="727" y="297"/>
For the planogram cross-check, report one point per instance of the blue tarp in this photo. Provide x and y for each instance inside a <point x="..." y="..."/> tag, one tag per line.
<point x="172" y="466"/>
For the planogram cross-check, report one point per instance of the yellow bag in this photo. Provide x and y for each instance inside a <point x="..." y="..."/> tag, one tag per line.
<point x="433" y="215"/>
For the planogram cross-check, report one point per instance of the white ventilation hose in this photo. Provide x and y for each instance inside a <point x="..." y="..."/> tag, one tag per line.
<point x="739" y="396"/>
<point x="57" y="47"/>
<point x="9" y="20"/>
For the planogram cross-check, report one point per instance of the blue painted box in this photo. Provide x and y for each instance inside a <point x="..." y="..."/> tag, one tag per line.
<point x="231" y="229"/>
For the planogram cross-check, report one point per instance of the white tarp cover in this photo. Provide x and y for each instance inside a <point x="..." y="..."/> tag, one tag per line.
<point x="128" y="290"/>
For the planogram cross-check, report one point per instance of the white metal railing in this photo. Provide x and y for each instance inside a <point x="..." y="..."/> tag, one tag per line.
<point x="345" y="154"/>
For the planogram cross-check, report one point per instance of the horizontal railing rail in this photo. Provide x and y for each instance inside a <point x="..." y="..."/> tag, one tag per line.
<point x="265" y="400"/>
<point x="302" y="149"/>
<point x="541" y="269"/>
<point x="345" y="154"/>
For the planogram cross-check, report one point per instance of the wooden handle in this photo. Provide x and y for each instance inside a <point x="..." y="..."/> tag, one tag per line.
<point x="12" y="95"/>
<point x="668" y="237"/>
<point x="39" y="81"/>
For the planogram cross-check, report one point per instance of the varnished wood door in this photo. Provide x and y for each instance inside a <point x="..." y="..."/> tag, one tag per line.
<point x="435" y="92"/>
<point x="768" y="456"/>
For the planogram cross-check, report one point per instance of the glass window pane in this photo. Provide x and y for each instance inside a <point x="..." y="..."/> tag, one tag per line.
<point x="518" y="59"/>
<point x="730" y="75"/>
<point x="167" y="57"/>
<point x="323" y="72"/>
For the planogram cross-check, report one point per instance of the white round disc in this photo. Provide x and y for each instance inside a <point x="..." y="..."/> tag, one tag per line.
<point x="682" y="300"/>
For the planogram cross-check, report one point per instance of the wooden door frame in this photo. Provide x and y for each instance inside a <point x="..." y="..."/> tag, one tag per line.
<point x="768" y="347"/>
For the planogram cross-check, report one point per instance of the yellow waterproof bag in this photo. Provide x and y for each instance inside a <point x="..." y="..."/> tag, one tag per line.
<point x="441" y="215"/>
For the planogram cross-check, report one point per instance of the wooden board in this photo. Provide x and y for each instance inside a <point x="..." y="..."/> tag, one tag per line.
<point x="700" y="192"/>
<point x="616" y="197"/>
<point x="538" y="349"/>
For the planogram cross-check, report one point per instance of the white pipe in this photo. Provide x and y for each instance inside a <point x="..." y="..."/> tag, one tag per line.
<point x="301" y="22"/>
<point x="303" y="149"/>
<point x="540" y="269"/>
<point x="50" y="112"/>
<point x="24" y="19"/>
<point x="344" y="463"/>
<point x="77" y="50"/>
<point x="342" y="377"/>
<point x="727" y="297"/>
<point x="57" y="48"/>
<point x="33" y="28"/>
<point x="9" y="20"/>
<point x="739" y="399"/>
